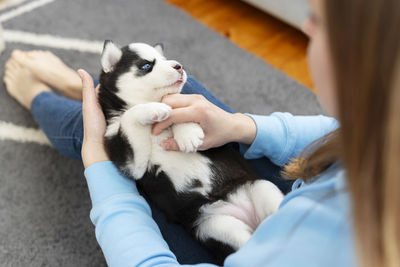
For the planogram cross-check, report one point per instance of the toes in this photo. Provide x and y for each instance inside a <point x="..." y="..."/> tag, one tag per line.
<point x="11" y="69"/>
<point x="12" y="65"/>
<point x="16" y="53"/>
<point x="6" y="79"/>
<point x="20" y="56"/>
<point x="9" y="79"/>
<point x="9" y="63"/>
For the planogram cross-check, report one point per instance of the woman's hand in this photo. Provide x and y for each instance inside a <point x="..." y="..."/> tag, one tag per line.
<point x="219" y="126"/>
<point x="94" y="123"/>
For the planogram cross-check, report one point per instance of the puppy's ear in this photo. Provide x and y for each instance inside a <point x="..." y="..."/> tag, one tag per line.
<point x="110" y="56"/>
<point x="160" y="48"/>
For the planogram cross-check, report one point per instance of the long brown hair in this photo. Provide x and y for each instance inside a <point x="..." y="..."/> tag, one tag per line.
<point x="364" y="41"/>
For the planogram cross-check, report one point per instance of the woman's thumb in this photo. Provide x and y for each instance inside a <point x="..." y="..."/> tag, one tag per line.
<point x="88" y="93"/>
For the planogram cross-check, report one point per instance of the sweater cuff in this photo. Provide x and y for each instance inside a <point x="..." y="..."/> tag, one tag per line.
<point x="271" y="140"/>
<point x="104" y="181"/>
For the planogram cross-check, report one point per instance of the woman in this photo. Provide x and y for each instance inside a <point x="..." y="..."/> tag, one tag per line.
<point x="345" y="214"/>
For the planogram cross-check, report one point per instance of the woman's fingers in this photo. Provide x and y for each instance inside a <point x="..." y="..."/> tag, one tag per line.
<point x="186" y="108"/>
<point x="88" y="91"/>
<point x="180" y="100"/>
<point x="93" y="117"/>
<point x="170" y="144"/>
<point x="178" y="115"/>
<point x="94" y="123"/>
<point x="89" y="98"/>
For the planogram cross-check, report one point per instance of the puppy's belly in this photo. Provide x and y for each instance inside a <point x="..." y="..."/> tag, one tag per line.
<point x="242" y="210"/>
<point x="183" y="169"/>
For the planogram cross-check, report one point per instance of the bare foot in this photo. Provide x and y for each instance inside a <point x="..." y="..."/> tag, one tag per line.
<point x="48" y="68"/>
<point x="21" y="84"/>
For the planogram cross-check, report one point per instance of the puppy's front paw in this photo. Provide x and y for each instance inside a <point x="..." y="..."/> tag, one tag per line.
<point x="153" y="112"/>
<point x="189" y="136"/>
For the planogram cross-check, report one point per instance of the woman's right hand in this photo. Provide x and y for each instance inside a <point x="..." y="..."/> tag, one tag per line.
<point x="94" y="123"/>
<point x="220" y="127"/>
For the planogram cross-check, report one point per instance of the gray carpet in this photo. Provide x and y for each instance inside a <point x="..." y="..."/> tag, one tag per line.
<point x="44" y="202"/>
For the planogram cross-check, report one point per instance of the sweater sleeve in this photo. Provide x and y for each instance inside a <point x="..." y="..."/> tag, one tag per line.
<point x="125" y="230"/>
<point x="282" y="136"/>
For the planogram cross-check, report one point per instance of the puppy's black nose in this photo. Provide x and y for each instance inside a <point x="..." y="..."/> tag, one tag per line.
<point x="178" y="67"/>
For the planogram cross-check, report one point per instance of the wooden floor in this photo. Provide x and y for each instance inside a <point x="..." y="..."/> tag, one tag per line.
<point x="277" y="43"/>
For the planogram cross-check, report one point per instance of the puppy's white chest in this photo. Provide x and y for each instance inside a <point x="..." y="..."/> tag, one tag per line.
<point x="187" y="171"/>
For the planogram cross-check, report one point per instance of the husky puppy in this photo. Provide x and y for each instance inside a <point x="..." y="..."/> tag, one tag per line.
<point x="213" y="193"/>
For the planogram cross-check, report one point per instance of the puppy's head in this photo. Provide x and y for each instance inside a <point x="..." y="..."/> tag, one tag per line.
<point x="140" y="73"/>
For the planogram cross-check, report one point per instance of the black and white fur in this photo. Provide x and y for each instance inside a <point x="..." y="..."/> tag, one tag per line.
<point x="213" y="193"/>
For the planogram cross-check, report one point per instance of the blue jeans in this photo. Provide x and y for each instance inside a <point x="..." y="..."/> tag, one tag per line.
<point x="61" y="120"/>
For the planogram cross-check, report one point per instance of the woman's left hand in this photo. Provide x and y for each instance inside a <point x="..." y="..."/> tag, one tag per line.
<point x="94" y="123"/>
<point x="219" y="126"/>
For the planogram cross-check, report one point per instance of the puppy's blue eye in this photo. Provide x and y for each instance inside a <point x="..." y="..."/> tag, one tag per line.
<point x="146" y="66"/>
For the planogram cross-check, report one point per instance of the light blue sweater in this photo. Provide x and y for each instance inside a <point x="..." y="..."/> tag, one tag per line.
<point x="311" y="228"/>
